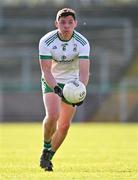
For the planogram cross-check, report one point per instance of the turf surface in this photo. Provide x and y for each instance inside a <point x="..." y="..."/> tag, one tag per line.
<point x="90" y="152"/>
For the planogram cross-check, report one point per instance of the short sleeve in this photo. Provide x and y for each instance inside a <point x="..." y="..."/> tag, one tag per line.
<point x="44" y="51"/>
<point x="84" y="51"/>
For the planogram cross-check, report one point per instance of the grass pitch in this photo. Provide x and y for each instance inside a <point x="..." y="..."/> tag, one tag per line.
<point x="90" y="152"/>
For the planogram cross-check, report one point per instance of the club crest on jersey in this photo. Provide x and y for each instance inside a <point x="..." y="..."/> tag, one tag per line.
<point x="63" y="58"/>
<point x="75" y="48"/>
<point x="64" y="46"/>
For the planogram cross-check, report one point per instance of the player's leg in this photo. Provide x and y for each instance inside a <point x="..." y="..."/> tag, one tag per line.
<point x="52" y="108"/>
<point x="66" y="114"/>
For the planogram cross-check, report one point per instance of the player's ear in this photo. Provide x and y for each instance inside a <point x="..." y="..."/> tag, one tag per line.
<point x="76" y="23"/>
<point x="56" y="24"/>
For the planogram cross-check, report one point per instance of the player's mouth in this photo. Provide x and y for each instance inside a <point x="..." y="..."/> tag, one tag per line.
<point x="66" y="31"/>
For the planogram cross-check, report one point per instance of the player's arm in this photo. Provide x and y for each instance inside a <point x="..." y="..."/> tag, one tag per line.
<point x="46" y="70"/>
<point x="49" y="78"/>
<point x="84" y="66"/>
<point x="45" y="59"/>
<point x="84" y="62"/>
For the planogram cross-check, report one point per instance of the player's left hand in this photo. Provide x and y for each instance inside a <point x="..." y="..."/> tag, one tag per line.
<point x="77" y="104"/>
<point x="58" y="91"/>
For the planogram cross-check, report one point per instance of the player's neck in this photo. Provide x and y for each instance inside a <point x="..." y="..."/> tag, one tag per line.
<point x="64" y="36"/>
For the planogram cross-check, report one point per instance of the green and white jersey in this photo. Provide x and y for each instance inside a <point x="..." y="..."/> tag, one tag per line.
<point x="65" y="55"/>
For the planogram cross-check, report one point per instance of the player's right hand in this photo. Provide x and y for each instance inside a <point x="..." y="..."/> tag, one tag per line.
<point x="58" y="91"/>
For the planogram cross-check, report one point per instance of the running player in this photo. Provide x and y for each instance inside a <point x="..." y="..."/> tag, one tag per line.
<point x="63" y="56"/>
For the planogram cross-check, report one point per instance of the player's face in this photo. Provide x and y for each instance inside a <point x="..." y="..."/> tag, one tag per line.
<point x="66" y="24"/>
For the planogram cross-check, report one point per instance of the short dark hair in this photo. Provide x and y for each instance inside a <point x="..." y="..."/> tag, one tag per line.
<point x="66" y="12"/>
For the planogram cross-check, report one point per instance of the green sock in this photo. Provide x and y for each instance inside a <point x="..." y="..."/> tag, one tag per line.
<point x="47" y="145"/>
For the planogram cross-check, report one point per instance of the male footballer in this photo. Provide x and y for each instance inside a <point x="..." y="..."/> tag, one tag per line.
<point x="63" y="56"/>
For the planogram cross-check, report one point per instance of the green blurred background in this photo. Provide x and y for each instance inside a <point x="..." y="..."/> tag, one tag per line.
<point x="111" y="26"/>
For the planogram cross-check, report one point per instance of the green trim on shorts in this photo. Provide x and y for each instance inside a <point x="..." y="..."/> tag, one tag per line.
<point x="84" y="57"/>
<point x="47" y="89"/>
<point x="42" y="57"/>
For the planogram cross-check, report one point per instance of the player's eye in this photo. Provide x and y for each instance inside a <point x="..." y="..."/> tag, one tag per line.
<point x="70" y="22"/>
<point x="63" y="22"/>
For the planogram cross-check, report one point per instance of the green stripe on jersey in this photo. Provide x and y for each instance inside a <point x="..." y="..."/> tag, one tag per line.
<point x="83" y="57"/>
<point x="49" y="39"/>
<point x="42" y="57"/>
<point x="78" y="38"/>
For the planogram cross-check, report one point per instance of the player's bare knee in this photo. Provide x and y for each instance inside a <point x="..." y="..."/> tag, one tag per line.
<point x="51" y="118"/>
